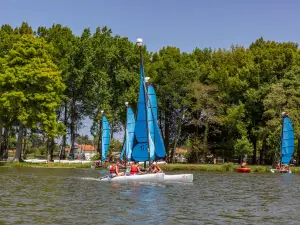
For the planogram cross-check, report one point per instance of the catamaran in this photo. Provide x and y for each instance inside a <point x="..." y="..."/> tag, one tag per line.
<point x="144" y="142"/>
<point x="286" y="145"/>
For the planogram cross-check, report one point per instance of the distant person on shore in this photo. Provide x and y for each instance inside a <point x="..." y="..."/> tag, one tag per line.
<point x="115" y="170"/>
<point x="154" y="168"/>
<point x="135" y="169"/>
<point x="243" y="164"/>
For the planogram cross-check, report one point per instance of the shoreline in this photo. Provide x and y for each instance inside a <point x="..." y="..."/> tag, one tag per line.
<point x="226" y="167"/>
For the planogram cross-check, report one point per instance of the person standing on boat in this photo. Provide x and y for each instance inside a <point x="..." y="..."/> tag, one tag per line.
<point x="135" y="169"/>
<point x="154" y="168"/>
<point x="115" y="170"/>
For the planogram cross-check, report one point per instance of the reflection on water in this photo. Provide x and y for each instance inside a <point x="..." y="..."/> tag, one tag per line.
<point x="76" y="196"/>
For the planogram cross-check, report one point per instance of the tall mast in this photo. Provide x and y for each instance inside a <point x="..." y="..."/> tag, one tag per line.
<point x="126" y="149"/>
<point x="139" y="42"/>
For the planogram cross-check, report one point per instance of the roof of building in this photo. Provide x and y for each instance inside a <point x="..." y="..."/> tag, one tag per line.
<point x="181" y="150"/>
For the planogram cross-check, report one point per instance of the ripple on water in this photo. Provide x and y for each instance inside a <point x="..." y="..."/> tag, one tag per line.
<point x="75" y="196"/>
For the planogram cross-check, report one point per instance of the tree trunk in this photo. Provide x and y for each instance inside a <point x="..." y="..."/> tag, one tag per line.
<point x="4" y="143"/>
<point x="298" y="152"/>
<point x="1" y="142"/>
<point x="254" y="144"/>
<point x="19" y="144"/>
<point x="112" y="130"/>
<point x="25" y="144"/>
<point x="254" y="150"/>
<point x="72" y="128"/>
<point x="177" y="136"/>
<point x="263" y="151"/>
<point x="167" y="137"/>
<point x="160" y="124"/>
<point x="205" y="137"/>
<point x="51" y="146"/>
<point x="62" y="154"/>
<point x="99" y="146"/>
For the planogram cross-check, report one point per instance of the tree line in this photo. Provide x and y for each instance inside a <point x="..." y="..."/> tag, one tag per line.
<point x="221" y="102"/>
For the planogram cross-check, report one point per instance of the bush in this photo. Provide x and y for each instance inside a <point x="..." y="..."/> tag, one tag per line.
<point x="95" y="157"/>
<point x="39" y="151"/>
<point x="228" y="167"/>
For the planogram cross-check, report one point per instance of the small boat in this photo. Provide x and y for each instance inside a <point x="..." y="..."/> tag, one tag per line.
<point x="157" y="178"/>
<point x="243" y="170"/>
<point x="183" y="178"/>
<point x="287" y="145"/>
<point x="280" y="171"/>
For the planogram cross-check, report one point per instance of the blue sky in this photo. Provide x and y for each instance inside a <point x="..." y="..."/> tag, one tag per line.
<point x="185" y="24"/>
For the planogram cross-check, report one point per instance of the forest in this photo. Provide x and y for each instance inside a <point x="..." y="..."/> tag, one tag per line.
<point x="221" y="102"/>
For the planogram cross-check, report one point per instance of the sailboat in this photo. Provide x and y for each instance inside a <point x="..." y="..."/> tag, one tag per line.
<point x="287" y="145"/>
<point x="147" y="142"/>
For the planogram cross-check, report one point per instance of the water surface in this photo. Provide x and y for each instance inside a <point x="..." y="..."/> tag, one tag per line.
<point x="76" y="196"/>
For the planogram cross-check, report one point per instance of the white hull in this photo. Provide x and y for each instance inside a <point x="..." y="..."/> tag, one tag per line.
<point x="184" y="178"/>
<point x="280" y="171"/>
<point x="157" y="177"/>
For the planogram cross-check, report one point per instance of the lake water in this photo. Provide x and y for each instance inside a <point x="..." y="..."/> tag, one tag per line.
<point x="76" y="196"/>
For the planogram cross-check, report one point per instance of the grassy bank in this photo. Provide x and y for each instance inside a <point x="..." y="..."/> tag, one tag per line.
<point x="44" y="165"/>
<point x="226" y="167"/>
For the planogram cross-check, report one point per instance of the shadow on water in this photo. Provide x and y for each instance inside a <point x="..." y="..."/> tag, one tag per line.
<point x="76" y="196"/>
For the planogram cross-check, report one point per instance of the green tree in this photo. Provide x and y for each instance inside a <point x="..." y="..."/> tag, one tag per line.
<point x="31" y="87"/>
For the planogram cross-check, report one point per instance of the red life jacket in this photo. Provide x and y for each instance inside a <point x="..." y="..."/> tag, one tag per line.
<point x="112" y="169"/>
<point x="277" y="167"/>
<point x="134" y="169"/>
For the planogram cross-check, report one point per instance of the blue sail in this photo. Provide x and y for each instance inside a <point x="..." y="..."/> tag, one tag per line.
<point x="105" y="137"/>
<point x="160" y="151"/>
<point x="140" y="142"/>
<point x="287" y="141"/>
<point x="157" y="147"/>
<point x="123" y="147"/>
<point x="153" y="101"/>
<point x="129" y="134"/>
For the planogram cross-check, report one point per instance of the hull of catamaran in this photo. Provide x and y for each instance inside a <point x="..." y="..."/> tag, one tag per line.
<point x="155" y="178"/>
<point x="183" y="178"/>
<point x="280" y="171"/>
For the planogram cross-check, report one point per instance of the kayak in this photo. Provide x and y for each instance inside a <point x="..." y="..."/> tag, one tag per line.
<point x="243" y="170"/>
<point x="280" y="171"/>
<point x="184" y="178"/>
<point x="157" y="177"/>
